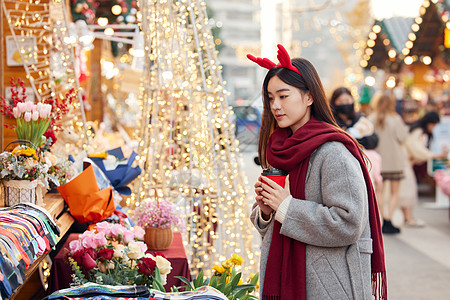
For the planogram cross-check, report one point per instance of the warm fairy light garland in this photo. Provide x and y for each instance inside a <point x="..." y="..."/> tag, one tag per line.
<point x="409" y="44"/>
<point x="443" y="12"/>
<point x="50" y="63"/>
<point x="187" y="148"/>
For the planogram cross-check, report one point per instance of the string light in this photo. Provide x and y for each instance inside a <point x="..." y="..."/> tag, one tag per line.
<point x="187" y="148"/>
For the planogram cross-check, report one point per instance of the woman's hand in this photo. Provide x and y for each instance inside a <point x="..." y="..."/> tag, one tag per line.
<point x="266" y="210"/>
<point x="272" y="193"/>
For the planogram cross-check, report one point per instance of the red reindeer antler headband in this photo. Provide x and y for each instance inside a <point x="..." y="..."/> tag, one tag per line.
<point x="283" y="58"/>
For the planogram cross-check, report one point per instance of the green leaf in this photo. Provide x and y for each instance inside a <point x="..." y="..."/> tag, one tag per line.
<point x="186" y="281"/>
<point x="235" y="280"/>
<point x="157" y="281"/>
<point x="254" y="280"/>
<point x="222" y="281"/>
<point x="199" y="280"/>
<point x="206" y="282"/>
<point x="213" y="282"/>
<point x="227" y="290"/>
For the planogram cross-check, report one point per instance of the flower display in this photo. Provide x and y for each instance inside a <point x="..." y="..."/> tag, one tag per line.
<point x="23" y="163"/>
<point x="226" y="279"/>
<point x="35" y="119"/>
<point x="61" y="169"/>
<point x="115" y="255"/>
<point x="156" y="213"/>
<point x="32" y="121"/>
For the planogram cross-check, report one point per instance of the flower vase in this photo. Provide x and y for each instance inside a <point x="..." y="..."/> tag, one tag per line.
<point x="19" y="191"/>
<point x="158" y="238"/>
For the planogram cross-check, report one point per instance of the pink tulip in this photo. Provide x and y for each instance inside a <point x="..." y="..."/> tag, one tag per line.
<point x="22" y="107"/>
<point x="30" y="105"/>
<point x="27" y="116"/>
<point x="16" y="112"/>
<point x="35" y="115"/>
<point x="44" y="110"/>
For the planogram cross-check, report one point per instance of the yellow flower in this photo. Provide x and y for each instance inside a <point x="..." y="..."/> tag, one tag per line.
<point x="236" y="260"/>
<point x="250" y="277"/>
<point x="103" y="155"/>
<point x="25" y="152"/>
<point x="227" y="264"/>
<point x="240" y="282"/>
<point x="218" y="269"/>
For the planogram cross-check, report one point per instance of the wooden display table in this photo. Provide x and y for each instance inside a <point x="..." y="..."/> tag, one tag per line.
<point x="54" y="204"/>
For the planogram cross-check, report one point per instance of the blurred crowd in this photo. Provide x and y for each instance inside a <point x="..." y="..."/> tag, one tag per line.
<point x="397" y="144"/>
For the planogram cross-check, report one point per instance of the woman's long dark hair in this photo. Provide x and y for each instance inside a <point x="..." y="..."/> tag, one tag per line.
<point x="310" y="82"/>
<point x="336" y="93"/>
<point x="430" y="117"/>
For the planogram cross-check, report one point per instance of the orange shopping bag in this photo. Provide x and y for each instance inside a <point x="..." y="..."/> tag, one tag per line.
<point x="86" y="202"/>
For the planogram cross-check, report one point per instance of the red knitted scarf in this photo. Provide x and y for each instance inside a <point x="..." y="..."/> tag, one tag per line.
<point x="286" y="266"/>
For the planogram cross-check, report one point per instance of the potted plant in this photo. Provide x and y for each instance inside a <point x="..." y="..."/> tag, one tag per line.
<point x="157" y="216"/>
<point x="227" y="279"/>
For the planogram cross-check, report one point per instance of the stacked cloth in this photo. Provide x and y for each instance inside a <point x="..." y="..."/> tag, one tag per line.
<point x="94" y="291"/>
<point x="26" y="232"/>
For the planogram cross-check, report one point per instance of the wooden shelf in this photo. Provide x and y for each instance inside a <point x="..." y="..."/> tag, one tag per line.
<point x="54" y="204"/>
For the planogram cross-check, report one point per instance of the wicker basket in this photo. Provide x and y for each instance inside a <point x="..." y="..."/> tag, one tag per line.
<point x="19" y="191"/>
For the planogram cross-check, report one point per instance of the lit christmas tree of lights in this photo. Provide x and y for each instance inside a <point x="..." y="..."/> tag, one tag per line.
<point x="187" y="149"/>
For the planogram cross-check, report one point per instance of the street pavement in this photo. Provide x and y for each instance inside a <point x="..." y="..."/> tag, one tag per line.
<point x="417" y="259"/>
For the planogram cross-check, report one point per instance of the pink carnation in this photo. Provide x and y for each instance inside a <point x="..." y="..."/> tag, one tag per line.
<point x="100" y="239"/>
<point x="128" y="236"/>
<point x="89" y="242"/>
<point x="75" y="245"/>
<point x="139" y="232"/>
<point x="104" y="227"/>
<point x="117" y="230"/>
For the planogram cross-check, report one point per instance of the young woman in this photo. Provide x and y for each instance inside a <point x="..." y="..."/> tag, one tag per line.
<point x="417" y="146"/>
<point x="321" y="233"/>
<point x="392" y="133"/>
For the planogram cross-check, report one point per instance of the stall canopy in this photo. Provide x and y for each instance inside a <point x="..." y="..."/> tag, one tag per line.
<point x="385" y="42"/>
<point x="426" y="43"/>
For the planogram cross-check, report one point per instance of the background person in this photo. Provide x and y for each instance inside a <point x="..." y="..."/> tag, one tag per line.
<point x="417" y="147"/>
<point x="392" y="132"/>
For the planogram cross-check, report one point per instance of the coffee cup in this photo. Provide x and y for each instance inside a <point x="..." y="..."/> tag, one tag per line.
<point x="277" y="175"/>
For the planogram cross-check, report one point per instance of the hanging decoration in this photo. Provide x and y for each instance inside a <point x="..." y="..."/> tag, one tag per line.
<point x="49" y="59"/>
<point x="187" y="149"/>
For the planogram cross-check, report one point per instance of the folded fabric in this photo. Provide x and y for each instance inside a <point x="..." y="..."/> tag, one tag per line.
<point x="87" y="203"/>
<point x="91" y="291"/>
<point x="203" y="293"/>
<point x="122" y="174"/>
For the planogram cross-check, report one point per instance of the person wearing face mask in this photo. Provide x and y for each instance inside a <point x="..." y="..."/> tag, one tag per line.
<point x="356" y="124"/>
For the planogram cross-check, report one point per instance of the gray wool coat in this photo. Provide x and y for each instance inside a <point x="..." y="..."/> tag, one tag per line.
<point x="333" y="222"/>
